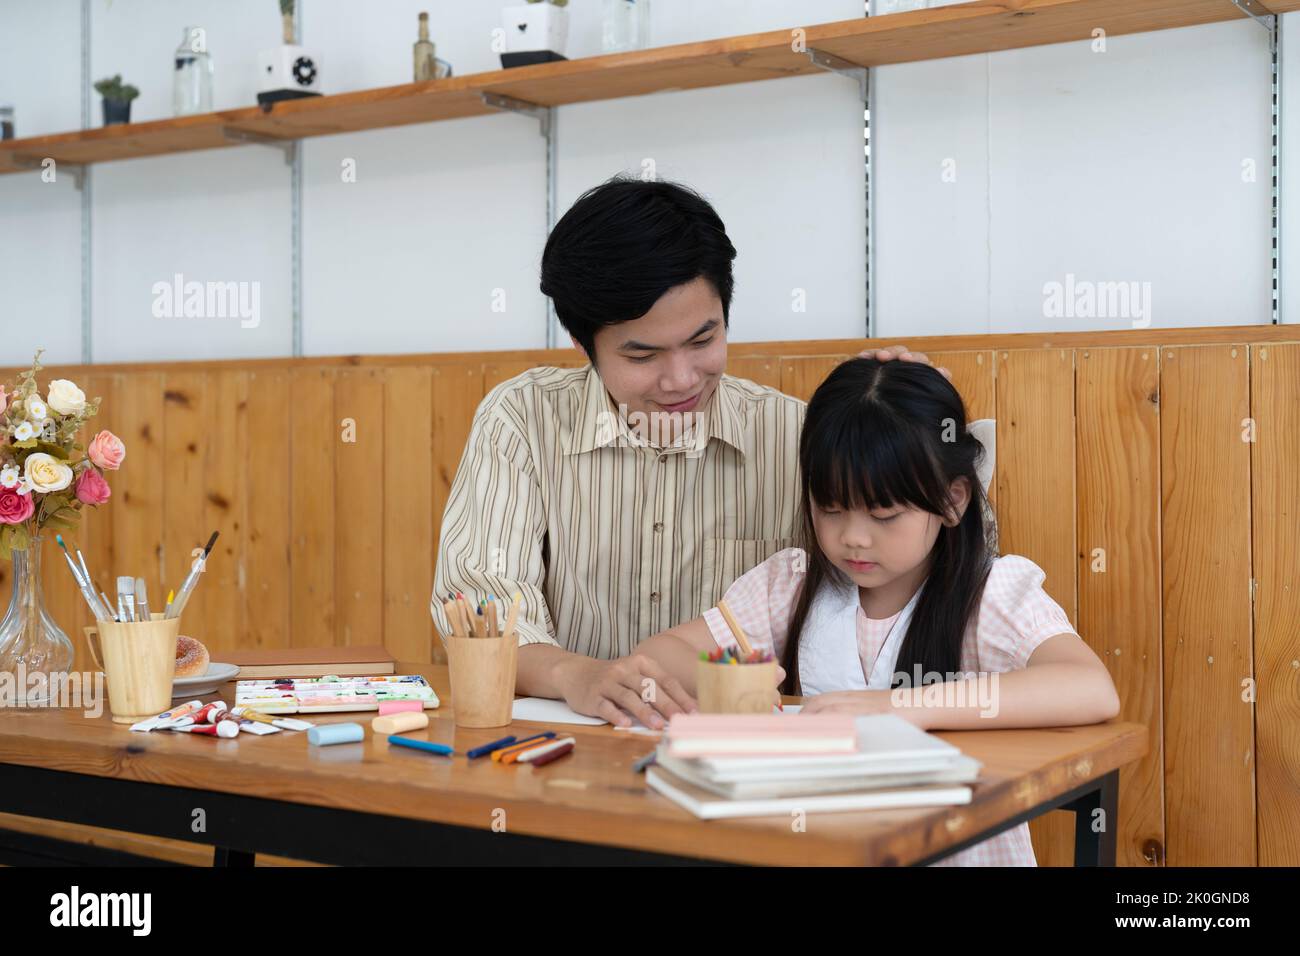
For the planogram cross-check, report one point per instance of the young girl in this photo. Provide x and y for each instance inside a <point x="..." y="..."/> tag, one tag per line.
<point x="899" y="590"/>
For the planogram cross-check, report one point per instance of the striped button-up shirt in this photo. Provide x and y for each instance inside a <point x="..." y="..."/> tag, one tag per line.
<point x="610" y="539"/>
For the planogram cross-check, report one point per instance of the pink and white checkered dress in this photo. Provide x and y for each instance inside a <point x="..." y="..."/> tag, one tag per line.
<point x="1015" y="616"/>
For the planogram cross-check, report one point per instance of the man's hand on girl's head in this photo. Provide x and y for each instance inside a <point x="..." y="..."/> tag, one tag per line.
<point x="903" y="353"/>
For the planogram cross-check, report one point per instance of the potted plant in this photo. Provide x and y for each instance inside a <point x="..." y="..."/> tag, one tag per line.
<point x="117" y="99"/>
<point x="536" y="32"/>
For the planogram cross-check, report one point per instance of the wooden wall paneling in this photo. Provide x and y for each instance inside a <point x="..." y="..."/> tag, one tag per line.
<point x="226" y="476"/>
<point x="1117" y="407"/>
<point x="801" y="376"/>
<point x="314" y="440"/>
<point x="457" y="392"/>
<point x="408" y="517"/>
<point x="1275" y="522"/>
<point x="268" y="577"/>
<point x="1035" y="504"/>
<point x="765" y="370"/>
<point x="185" y="508"/>
<point x="1209" y="727"/>
<point x="360" y="465"/>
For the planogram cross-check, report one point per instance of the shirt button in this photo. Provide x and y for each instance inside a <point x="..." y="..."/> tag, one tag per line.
<point x="659" y="526"/>
<point x="654" y="597"/>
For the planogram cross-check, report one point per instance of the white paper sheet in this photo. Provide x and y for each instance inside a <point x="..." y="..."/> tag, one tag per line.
<point x="551" y="712"/>
<point x="548" y="711"/>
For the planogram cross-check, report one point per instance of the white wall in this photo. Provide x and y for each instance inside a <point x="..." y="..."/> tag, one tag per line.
<point x="40" y="222"/>
<point x="1116" y="166"/>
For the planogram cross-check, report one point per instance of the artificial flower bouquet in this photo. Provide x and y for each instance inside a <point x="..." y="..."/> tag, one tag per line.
<point x="46" y="476"/>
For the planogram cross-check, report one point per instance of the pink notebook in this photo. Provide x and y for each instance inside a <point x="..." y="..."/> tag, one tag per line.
<point x="716" y="735"/>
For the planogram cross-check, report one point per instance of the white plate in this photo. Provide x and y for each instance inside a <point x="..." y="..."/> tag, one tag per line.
<point x="201" y="684"/>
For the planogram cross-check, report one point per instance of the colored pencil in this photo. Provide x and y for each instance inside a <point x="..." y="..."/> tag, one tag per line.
<point x="541" y="750"/>
<point x="500" y="755"/>
<point x="555" y="754"/>
<point x="736" y="631"/>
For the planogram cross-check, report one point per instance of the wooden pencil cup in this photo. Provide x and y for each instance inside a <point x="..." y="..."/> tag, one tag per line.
<point x="736" y="688"/>
<point x="482" y="679"/>
<point x="139" y="664"/>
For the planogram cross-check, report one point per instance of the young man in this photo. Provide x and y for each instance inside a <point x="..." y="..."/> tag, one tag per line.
<point x="623" y="498"/>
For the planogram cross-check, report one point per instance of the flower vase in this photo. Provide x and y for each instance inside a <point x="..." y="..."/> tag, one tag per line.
<point x="33" y="648"/>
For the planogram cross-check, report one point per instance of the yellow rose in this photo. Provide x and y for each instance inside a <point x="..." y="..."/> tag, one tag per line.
<point x="47" y="473"/>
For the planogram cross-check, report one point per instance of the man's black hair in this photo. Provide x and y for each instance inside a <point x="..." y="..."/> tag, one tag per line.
<point x="625" y="243"/>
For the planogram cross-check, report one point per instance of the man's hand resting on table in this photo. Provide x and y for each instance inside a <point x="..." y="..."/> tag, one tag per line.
<point x="615" y="690"/>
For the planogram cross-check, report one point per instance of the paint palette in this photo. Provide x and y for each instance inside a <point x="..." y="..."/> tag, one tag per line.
<point x="324" y="695"/>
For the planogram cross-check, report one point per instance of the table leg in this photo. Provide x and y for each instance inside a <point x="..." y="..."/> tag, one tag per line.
<point x="222" y="856"/>
<point x="1096" y="836"/>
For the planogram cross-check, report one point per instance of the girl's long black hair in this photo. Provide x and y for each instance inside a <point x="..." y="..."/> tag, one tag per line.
<point x="880" y="434"/>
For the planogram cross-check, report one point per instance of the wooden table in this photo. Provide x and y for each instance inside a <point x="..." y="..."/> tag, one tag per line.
<point x="367" y="803"/>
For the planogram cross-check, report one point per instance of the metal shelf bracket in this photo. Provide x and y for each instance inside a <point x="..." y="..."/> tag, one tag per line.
<point x="1257" y="13"/>
<point x="38" y="162"/>
<point x="237" y="135"/>
<point x="836" y="64"/>
<point x="509" y="104"/>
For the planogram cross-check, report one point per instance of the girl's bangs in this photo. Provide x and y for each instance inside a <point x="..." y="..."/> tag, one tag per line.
<point x="854" y="465"/>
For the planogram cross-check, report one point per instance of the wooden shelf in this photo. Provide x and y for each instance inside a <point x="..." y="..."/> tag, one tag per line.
<point x="978" y="27"/>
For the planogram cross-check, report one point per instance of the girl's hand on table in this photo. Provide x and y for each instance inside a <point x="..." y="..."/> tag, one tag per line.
<point x="861" y="703"/>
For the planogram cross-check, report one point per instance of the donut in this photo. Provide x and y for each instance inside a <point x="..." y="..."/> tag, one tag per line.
<point x="191" y="657"/>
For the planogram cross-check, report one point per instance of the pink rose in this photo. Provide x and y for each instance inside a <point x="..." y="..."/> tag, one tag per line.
<point x="92" y="489"/>
<point x="107" y="451"/>
<point x="4" y="400"/>
<point x="15" y="508"/>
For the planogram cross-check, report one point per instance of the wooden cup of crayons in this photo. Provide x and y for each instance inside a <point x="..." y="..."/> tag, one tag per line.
<point x="730" y="681"/>
<point x="482" y="657"/>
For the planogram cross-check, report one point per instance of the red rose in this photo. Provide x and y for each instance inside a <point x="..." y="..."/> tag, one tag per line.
<point x="91" y="488"/>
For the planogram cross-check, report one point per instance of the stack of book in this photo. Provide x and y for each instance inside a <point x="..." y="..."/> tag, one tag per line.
<point x="724" y="765"/>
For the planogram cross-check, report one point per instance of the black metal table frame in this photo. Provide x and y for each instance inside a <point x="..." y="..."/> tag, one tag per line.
<point x="239" y="827"/>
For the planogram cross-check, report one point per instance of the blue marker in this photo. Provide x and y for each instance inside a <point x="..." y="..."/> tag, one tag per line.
<point x="488" y="748"/>
<point x="441" y="749"/>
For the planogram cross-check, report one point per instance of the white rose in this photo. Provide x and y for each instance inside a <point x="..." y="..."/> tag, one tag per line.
<point x="36" y="409"/>
<point x="46" y="473"/>
<point x="66" y="398"/>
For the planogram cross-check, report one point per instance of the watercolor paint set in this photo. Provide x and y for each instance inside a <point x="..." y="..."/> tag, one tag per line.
<point x="333" y="694"/>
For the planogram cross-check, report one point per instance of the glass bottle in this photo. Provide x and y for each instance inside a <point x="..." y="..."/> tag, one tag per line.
<point x="426" y="64"/>
<point x="192" y="78"/>
<point x="625" y="26"/>
<point x="31" y="643"/>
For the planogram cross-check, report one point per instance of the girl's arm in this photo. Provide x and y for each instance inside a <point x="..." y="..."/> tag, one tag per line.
<point x="677" y="649"/>
<point x="1063" y="684"/>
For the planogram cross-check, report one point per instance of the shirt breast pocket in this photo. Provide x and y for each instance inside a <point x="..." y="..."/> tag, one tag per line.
<point x="726" y="559"/>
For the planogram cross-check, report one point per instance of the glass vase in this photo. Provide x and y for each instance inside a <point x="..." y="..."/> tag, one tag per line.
<point x="33" y="648"/>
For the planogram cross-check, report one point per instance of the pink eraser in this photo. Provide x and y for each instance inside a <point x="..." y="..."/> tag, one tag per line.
<point x="399" y="706"/>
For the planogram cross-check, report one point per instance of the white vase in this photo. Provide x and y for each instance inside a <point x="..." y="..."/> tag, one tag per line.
<point x="535" y="27"/>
